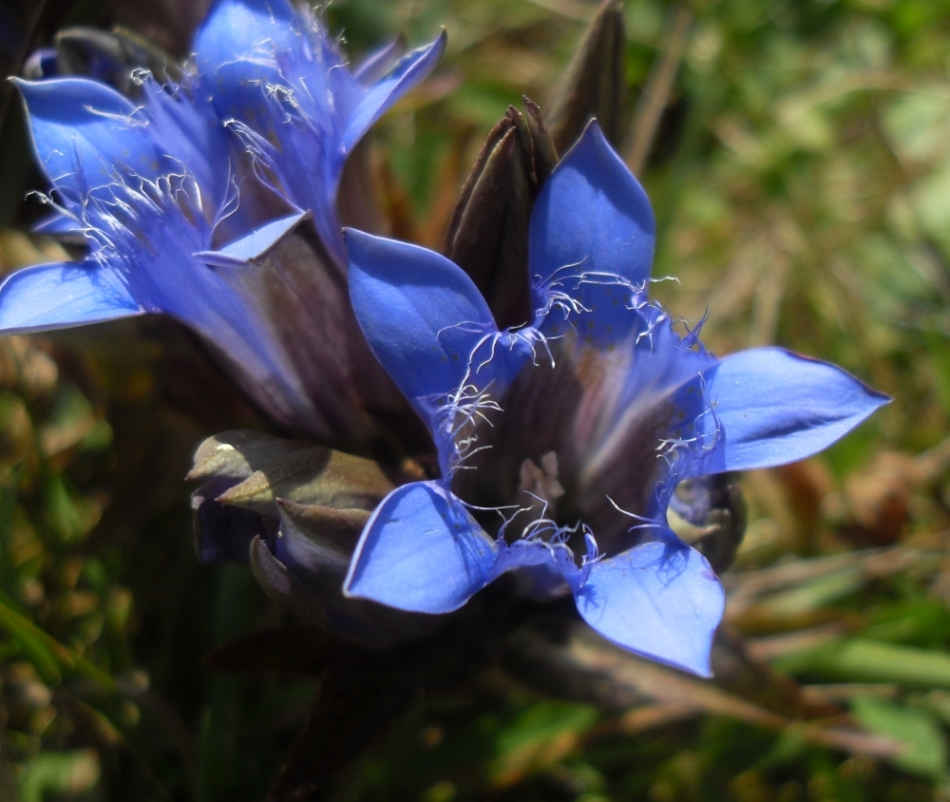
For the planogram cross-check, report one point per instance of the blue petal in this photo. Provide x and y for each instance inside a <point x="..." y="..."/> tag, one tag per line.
<point x="287" y="91"/>
<point x="183" y="123"/>
<point x="773" y="407"/>
<point x="84" y="134"/>
<point x="660" y="600"/>
<point x="422" y="315"/>
<point x="236" y="30"/>
<point x="636" y="422"/>
<point x="255" y="246"/>
<point x="592" y="216"/>
<point x="61" y="295"/>
<point x="410" y="69"/>
<point x="247" y="47"/>
<point x="292" y="100"/>
<point x="421" y="551"/>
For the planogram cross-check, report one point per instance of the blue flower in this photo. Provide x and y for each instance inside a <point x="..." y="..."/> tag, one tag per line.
<point x="283" y="86"/>
<point x="146" y="185"/>
<point x="561" y="442"/>
<point x="178" y="220"/>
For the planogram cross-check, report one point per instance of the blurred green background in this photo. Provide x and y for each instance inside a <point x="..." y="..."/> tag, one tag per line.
<point x="797" y="153"/>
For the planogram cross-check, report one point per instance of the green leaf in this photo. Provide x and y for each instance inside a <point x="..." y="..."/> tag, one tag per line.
<point x="916" y="125"/>
<point x="926" y="750"/>
<point x="60" y="773"/>
<point x="869" y="661"/>
<point x="538" y="738"/>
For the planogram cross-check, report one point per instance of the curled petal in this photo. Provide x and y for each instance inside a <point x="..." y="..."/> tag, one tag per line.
<point x="660" y="599"/>
<point x="62" y="295"/>
<point x="591" y="217"/>
<point x="421" y="551"/>
<point x="771" y="407"/>
<point x="255" y="246"/>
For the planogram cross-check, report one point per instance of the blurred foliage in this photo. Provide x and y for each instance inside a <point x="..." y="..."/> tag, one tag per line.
<point x="798" y="157"/>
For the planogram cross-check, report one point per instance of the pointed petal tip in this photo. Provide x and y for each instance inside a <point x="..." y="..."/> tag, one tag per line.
<point x="365" y="240"/>
<point x="593" y="141"/>
<point x="434" y="49"/>
<point x="593" y="129"/>
<point x="591" y="182"/>
<point x="62" y="295"/>
<point x="774" y="407"/>
<point x="660" y="600"/>
<point x="357" y="236"/>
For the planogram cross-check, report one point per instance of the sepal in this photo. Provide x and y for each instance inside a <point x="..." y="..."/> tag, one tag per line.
<point x="113" y="57"/>
<point x="488" y="234"/>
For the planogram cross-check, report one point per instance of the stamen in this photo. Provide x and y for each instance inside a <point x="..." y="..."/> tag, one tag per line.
<point x="541" y="482"/>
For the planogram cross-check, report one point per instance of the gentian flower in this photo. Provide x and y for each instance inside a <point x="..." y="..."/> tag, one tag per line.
<point x="177" y="221"/>
<point x="561" y="442"/>
<point x="294" y="102"/>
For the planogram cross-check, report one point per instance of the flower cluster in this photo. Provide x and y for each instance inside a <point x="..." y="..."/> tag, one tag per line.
<point x="558" y="442"/>
<point x="193" y="200"/>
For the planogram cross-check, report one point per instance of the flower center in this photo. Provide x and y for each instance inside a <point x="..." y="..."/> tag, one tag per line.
<point x="567" y="446"/>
